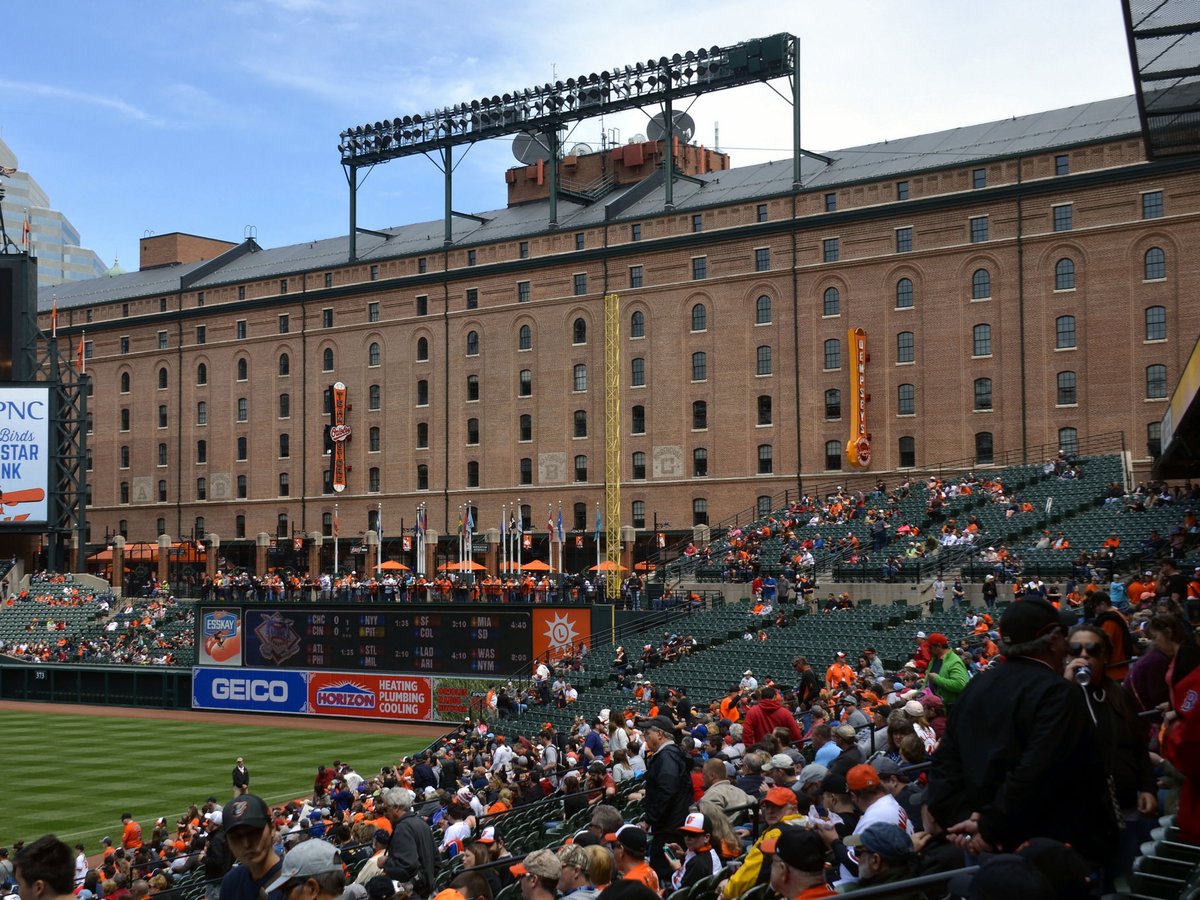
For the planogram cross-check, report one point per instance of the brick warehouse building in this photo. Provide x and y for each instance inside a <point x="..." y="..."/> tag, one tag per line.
<point x="1021" y="283"/>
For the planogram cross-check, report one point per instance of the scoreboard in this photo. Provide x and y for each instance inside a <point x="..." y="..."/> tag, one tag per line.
<point x="469" y="641"/>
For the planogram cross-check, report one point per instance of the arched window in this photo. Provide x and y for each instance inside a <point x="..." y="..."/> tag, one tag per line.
<point x="285" y="406"/>
<point x="762" y="310"/>
<point x="637" y="324"/>
<point x="285" y="364"/>
<point x="472" y="388"/>
<point x="525" y="383"/>
<point x="833" y="404"/>
<point x="700" y="462"/>
<point x="904" y="293"/>
<point x="908" y="453"/>
<point x="833" y="354"/>
<point x="638" y="371"/>
<point x="1064" y="332"/>
<point x="833" y="455"/>
<point x="906" y="400"/>
<point x="525" y="427"/>
<point x="1067" y="392"/>
<point x="201" y="376"/>
<point x="638" y="420"/>
<point x="699" y="366"/>
<point x="1156" y="323"/>
<point x="1156" y="382"/>
<point x="981" y="284"/>
<point x="983" y="448"/>
<point x="766" y="459"/>
<point x="162" y="378"/>
<point x="831" y="304"/>
<point x="579" y="332"/>
<point x="373" y="354"/>
<point x="327" y="360"/>
<point x="762" y="361"/>
<point x="906" y="350"/>
<point x="1155" y="264"/>
<point x="1064" y="275"/>
<point x="374" y="397"/>
<point x="472" y="343"/>
<point x="983" y="394"/>
<point x="981" y="340"/>
<point x="699" y="415"/>
<point x="243" y="369"/>
<point x="579" y="422"/>
<point x="699" y="317"/>
<point x="1068" y="441"/>
<point x="579" y="378"/>
<point x="525" y="338"/>
<point x="422" y="349"/>
<point x="125" y="380"/>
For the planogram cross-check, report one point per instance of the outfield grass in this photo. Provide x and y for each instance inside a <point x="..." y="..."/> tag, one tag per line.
<point x="75" y="775"/>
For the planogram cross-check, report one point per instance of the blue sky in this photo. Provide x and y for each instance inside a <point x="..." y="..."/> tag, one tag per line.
<point x="215" y="115"/>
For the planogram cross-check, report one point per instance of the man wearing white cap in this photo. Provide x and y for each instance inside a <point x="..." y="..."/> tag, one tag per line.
<point x="748" y="682"/>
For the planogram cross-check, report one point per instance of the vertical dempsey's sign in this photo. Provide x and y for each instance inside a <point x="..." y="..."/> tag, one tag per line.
<point x="24" y="455"/>
<point x="858" y="447"/>
<point x="339" y="433"/>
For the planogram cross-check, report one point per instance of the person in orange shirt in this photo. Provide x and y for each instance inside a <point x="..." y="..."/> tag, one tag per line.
<point x="840" y="676"/>
<point x="630" y="845"/>
<point x="131" y="836"/>
<point x="729" y="705"/>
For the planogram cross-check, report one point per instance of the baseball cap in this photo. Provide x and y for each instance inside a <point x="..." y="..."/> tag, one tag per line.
<point x="884" y="838"/>
<point x="937" y="639"/>
<point x="850" y="699"/>
<point x="780" y="796"/>
<point x="247" y="810"/>
<point x="632" y="838"/>
<point x="798" y="847"/>
<point x="921" y="635"/>
<point x="449" y="894"/>
<point x="542" y="863"/>
<point x="914" y="708"/>
<point x="885" y="766"/>
<point x="696" y="823"/>
<point x="813" y="773"/>
<point x="583" y="838"/>
<point x="662" y="723"/>
<point x="845" y="731"/>
<point x="1066" y="870"/>
<point x="305" y="860"/>
<point x="487" y="836"/>
<point x="778" y="761"/>
<point x="379" y="887"/>
<point x="834" y="784"/>
<point x="1028" y="619"/>
<point x="215" y="817"/>
<point x="862" y="777"/>
<point x="748" y="672"/>
<point x="1002" y="876"/>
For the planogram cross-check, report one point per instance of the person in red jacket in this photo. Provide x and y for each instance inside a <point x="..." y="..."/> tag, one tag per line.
<point x="924" y="655"/>
<point x="765" y="716"/>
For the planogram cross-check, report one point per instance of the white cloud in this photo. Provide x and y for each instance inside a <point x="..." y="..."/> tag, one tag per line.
<point x="54" y="92"/>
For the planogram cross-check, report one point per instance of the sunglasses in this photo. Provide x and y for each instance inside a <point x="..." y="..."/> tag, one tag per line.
<point x="1090" y="649"/>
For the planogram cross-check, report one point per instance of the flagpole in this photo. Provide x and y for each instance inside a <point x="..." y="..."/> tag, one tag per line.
<point x="598" y="523"/>
<point x="379" y="535"/>
<point x="520" y="535"/>
<point x="335" y="540"/>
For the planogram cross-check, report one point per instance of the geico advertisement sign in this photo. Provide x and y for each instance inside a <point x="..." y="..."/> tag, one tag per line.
<point x="254" y="690"/>
<point x="370" y="695"/>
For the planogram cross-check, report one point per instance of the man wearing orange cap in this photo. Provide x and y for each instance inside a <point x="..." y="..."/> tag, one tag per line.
<point x="779" y="807"/>
<point x="876" y="804"/>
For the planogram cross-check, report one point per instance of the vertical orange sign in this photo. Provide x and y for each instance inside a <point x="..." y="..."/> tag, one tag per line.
<point x="858" y="447"/>
<point x="339" y="433"/>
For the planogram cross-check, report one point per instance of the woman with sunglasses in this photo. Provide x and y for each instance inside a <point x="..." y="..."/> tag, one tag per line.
<point x="1121" y="739"/>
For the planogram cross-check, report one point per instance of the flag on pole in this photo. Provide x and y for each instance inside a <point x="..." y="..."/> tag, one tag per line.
<point x="599" y="525"/>
<point x="54" y="319"/>
<point x="460" y="523"/>
<point x="560" y="527"/>
<point x="80" y="364"/>
<point x="470" y="521"/>
<point x="420" y="526"/>
<point x="550" y="521"/>
<point x="336" y="524"/>
<point x="25" y="232"/>
<point x="520" y="523"/>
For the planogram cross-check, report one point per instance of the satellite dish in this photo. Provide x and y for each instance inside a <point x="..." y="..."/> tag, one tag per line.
<point x="685" y="126"/>
<point x="637" y="139"/>
<point x="531" y="147"/>
<point x="581" y="150"/>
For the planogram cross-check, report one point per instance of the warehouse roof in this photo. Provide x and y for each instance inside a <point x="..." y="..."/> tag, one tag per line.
<point x="1040" y="132"/>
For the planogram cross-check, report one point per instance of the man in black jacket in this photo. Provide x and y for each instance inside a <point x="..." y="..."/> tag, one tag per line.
<point x="241" y="778"/>
<point x="411" y="855"/>
<point x="668" y="791"/>
<point x="1020" y="758"/>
